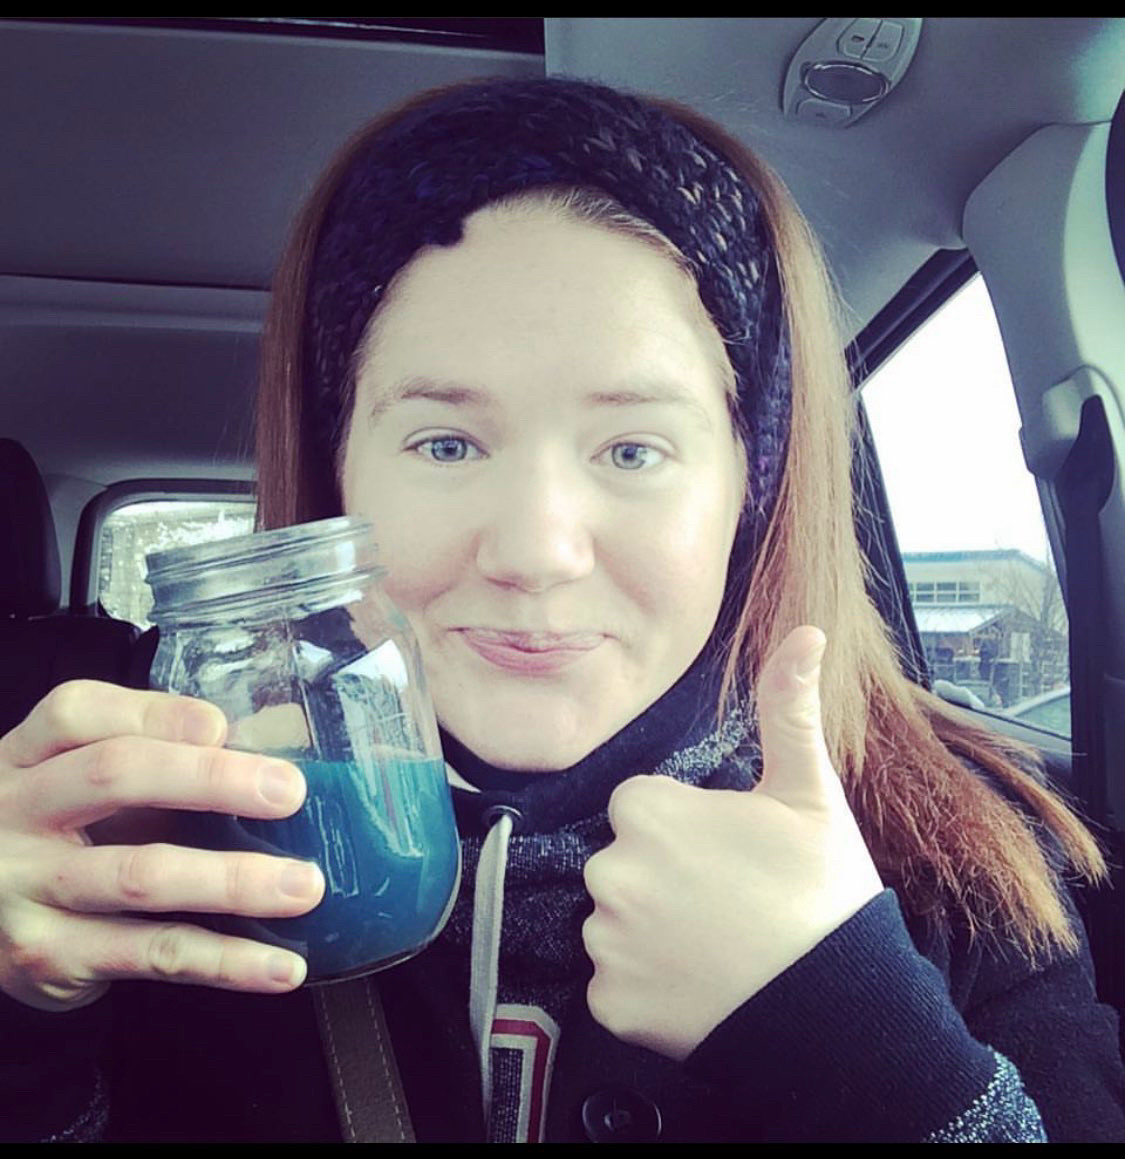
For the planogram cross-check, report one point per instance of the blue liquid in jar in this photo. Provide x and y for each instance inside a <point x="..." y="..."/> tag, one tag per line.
<point x="387" y="843"/>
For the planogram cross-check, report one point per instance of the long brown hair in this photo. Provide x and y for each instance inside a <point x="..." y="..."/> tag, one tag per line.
<point x="938" y="831"/>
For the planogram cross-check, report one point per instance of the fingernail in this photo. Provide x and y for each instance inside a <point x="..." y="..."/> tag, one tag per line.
<point x="300" y="879"/>
<point x="201" y="726"/>
<point x="286" y="968"/>
<point x="810" y="661"/>
<point x="279" y="783"/>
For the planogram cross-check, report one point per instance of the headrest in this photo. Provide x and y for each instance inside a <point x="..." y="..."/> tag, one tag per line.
<point x="29" y="551"/>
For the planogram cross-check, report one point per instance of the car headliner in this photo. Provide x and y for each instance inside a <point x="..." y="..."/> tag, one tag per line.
<point x="150" y="175"/>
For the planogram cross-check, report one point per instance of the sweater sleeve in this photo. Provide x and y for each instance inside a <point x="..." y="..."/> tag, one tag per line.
<point x="1065" y="1043"/>
<point x="52" y="1086"/>
<point x="859" y="1041"/>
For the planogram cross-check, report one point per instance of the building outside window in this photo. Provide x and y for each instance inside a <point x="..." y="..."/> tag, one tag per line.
<point x="967" y="515"/>
<point x="990" y="621"/>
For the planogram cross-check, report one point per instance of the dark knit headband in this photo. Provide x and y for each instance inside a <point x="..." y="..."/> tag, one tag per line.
<point x="415" y="183"/>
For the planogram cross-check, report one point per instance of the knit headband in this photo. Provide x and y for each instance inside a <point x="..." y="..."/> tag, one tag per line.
<point x="414" y="184"/>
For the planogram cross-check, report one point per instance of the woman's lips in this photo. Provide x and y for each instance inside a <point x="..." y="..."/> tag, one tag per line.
<point x="530" y="653"/>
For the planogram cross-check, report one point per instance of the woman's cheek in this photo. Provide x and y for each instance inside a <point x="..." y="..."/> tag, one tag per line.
<point x="689" y="538"/>
<point x="422" y="551"/>
<point x="688" y="551"/>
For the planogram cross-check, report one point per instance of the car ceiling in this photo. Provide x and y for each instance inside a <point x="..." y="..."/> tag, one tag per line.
<point x="150" y="175"/>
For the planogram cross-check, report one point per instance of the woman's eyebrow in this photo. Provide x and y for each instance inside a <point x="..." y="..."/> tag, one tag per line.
<point x="647" y="394"/>
<point x="453" y="393"/>
<point x="434" y="390"/>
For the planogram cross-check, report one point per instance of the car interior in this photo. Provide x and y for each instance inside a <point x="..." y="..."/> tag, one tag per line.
<point x="152" y="167"/>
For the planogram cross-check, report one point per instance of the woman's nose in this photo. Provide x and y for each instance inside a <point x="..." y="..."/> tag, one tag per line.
<point x="538" y="532"/>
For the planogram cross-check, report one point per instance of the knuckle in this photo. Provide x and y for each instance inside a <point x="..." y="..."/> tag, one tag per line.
<point x="213" y="771"/>
<point x="108" y="763"/>
<point x="593" y="873"/>
<point x="237" y="883"/>
<point x="227" y="966"/>
<point x="138" y="875"/>
<point x="642" y="802"/>
<point x="61" y="882"/>
<point x="603" y="882"/>
<point x="65" y="705"/>
<point x="595" y="996"/>
<point x="625" y="895"/>
<point x="31" y="954"/>
<point x="592" y="937"/>
<point x="32" y="961"/>
<point x="667" y="791"/>
<point x="629" y="793"/>
<point x="167" y="953"/>
<point x="158" y="715"/>
<point x="603" y="1008"/>
<point x="167" y="716"/>
<point x="625" y="804"/>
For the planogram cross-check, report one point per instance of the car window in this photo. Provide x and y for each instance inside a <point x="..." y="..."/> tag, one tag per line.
<point x="134" y="529"/>
<point x="986" y="598"/>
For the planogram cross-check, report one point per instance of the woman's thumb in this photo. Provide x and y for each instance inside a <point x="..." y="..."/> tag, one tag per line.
<point x="795" y="759"/>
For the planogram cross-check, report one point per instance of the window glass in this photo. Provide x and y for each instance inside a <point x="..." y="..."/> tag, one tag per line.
<point x="986" y="598"/>
<point x="131" y="531"/>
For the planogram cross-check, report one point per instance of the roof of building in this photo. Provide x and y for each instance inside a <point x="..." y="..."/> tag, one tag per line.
<point x="971" y="556"/>
<point x="957" y="617"/>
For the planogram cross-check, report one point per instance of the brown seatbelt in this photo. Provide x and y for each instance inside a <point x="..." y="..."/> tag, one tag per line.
<point x="369" y="1098"/>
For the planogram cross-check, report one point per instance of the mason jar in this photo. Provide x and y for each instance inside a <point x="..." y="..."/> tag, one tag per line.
<point x="290" y="633"/>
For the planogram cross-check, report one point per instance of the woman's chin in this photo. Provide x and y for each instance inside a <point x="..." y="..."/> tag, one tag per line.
<point x="527" y="745"/>
<point x="539" y="725"/>
<point x="525" y="757"/>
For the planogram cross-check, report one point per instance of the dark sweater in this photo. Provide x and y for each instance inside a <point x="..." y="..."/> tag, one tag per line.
<point x="887" y="1030"/>
<point x="862" y="1040"/>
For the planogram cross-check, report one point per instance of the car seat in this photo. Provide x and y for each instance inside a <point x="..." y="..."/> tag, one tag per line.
<point x="41" y="647"/>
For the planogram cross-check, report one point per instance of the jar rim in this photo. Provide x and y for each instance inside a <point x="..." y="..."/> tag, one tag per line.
<point x="238" y="547"/>
<point x="287" y="559"/>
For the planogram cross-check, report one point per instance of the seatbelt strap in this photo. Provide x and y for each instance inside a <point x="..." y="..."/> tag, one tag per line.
<point x="370" y="1101"/>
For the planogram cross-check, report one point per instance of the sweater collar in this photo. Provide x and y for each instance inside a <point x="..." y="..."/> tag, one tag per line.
<point x="683" y="716"/>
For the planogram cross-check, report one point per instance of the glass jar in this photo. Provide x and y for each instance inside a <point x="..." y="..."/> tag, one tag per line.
<point x="290" y="633"/>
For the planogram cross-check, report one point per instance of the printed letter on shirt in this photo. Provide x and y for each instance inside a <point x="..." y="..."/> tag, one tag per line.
<point x="524" y="1039"/>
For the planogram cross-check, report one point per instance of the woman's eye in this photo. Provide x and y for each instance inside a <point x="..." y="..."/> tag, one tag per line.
<point x="634" y="456"/>
<point x="447" y="449"/>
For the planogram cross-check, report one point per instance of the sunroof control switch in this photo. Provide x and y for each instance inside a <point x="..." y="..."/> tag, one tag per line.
<point x="846" y="66"/>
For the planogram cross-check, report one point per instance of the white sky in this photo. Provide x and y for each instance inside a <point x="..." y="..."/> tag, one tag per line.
<point x="946" y="428"/>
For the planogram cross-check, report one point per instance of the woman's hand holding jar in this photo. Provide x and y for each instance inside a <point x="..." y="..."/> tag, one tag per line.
<point x="71" y="911"/>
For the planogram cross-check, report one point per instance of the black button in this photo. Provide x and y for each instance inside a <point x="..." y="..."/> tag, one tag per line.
<point x="620" y="1115"/>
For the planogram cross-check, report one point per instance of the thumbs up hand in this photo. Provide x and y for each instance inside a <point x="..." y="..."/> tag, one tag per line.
<point x="705" y="896"/>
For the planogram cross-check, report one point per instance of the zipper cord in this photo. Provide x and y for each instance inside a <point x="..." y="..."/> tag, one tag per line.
<point x="488" y="916"/>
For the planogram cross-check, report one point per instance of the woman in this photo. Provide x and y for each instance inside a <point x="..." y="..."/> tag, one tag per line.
<point x="573" y="353"/>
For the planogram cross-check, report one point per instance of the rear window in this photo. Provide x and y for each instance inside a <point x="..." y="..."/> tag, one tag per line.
<point x="134" y="529"/>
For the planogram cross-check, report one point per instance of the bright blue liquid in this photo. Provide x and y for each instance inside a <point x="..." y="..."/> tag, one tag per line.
<point x="387" y="843"/>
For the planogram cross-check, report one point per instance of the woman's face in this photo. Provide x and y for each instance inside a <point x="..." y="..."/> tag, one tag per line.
<point x="542" y="441"/>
